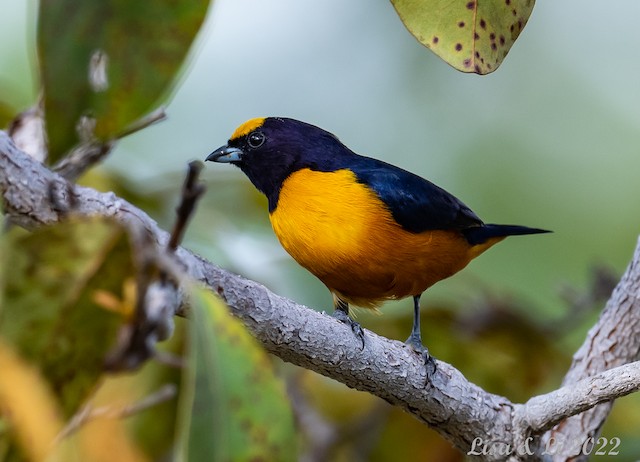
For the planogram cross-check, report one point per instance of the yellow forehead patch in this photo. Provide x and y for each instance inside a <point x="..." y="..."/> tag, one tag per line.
<point x="248" y="127"/>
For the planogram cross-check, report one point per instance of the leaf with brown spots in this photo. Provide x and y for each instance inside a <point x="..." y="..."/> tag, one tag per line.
<point x="472" y="36"/>
<point x="233" y="406"/>
<point x="49" y="314"/>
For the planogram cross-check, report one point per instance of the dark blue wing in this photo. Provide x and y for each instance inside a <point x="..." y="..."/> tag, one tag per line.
<point x="416" y="204"/>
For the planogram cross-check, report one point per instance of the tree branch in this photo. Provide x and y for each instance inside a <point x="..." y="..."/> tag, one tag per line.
<point x="456" y="408"/>
<point x="611" y="342"/>
<point x="90" y="151"/>
<point x="542" y="412"/>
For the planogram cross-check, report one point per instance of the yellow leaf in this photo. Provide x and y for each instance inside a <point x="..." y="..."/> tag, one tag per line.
<point x="106" y="440"/>
<point x="28" y="404"/>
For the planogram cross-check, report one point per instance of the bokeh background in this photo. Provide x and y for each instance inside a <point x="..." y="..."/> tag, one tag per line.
<point x="548" y="140"/>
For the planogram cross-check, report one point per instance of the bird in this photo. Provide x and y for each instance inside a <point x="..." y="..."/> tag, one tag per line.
<point x="370" y="231"/>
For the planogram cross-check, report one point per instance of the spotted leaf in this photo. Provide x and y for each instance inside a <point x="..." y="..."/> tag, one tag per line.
<point x="473" y="35"/>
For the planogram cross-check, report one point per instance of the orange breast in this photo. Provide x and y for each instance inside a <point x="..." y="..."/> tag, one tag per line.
<point x="343" y="233"/>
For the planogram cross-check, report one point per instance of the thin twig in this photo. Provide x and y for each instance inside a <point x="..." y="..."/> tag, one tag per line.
<point x="152" y="118"/>
<point x="87" y="413"/>
<point x="83" y="157"/>
<point x="92" y="150"/>
<point x="169" y="359"/>
<point x="191" y="192"/>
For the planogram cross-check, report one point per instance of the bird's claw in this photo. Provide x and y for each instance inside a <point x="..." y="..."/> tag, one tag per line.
<point x="429" y="363"/>
<point x="355" y="327"/>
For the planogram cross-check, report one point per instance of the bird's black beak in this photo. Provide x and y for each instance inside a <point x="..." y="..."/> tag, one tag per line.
<point x="225" y="154"/>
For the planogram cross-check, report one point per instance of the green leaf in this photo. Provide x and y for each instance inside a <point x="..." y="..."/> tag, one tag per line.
<point x="50" y="314"/>
<point x="7" y="113"/>
<point x="472" y="35"/>
<point x="233" y="406"/>
<point x="131" y="50"/>
<point x="154" y="430"/>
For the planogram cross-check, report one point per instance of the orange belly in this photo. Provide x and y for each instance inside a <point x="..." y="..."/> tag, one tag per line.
<point x="343" y="233"/>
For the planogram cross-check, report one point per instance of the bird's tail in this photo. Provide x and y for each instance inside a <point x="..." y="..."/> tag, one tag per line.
<point x="480" y="234"/>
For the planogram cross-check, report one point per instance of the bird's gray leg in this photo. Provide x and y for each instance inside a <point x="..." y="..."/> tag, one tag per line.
<point x="341" y="313"/>
<point x="415" y="339"/>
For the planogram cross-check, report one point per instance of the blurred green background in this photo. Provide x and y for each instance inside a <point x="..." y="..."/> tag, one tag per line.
<point x="549" y="140"/>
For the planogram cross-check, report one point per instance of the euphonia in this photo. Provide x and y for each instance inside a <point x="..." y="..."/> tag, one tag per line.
<point x="370" y="231"/>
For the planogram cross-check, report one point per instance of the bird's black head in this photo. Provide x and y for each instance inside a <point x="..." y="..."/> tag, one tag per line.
<point x="269" y="149"/>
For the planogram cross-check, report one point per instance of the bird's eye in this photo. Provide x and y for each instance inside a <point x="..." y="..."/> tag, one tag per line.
<point x="256" y="139"/>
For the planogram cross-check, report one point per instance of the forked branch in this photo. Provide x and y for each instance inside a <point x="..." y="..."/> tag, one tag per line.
<point x="461" y="411"/>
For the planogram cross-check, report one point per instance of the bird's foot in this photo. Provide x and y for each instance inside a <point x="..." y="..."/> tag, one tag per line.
<point x="415" y="342"/>
<point x="341" y="316"/>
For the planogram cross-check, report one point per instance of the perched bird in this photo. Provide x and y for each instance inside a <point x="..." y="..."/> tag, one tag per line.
<point x="368" y="230"/>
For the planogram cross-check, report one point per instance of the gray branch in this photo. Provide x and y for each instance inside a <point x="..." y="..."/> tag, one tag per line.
<point x="542" y="412"/>
<point x="459" y="410"/>
<point x="613" y="341"/>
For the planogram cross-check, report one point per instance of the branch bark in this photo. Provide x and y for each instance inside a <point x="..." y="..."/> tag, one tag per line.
<point x="459" y="410"/>
<point x="611" y="342"/>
